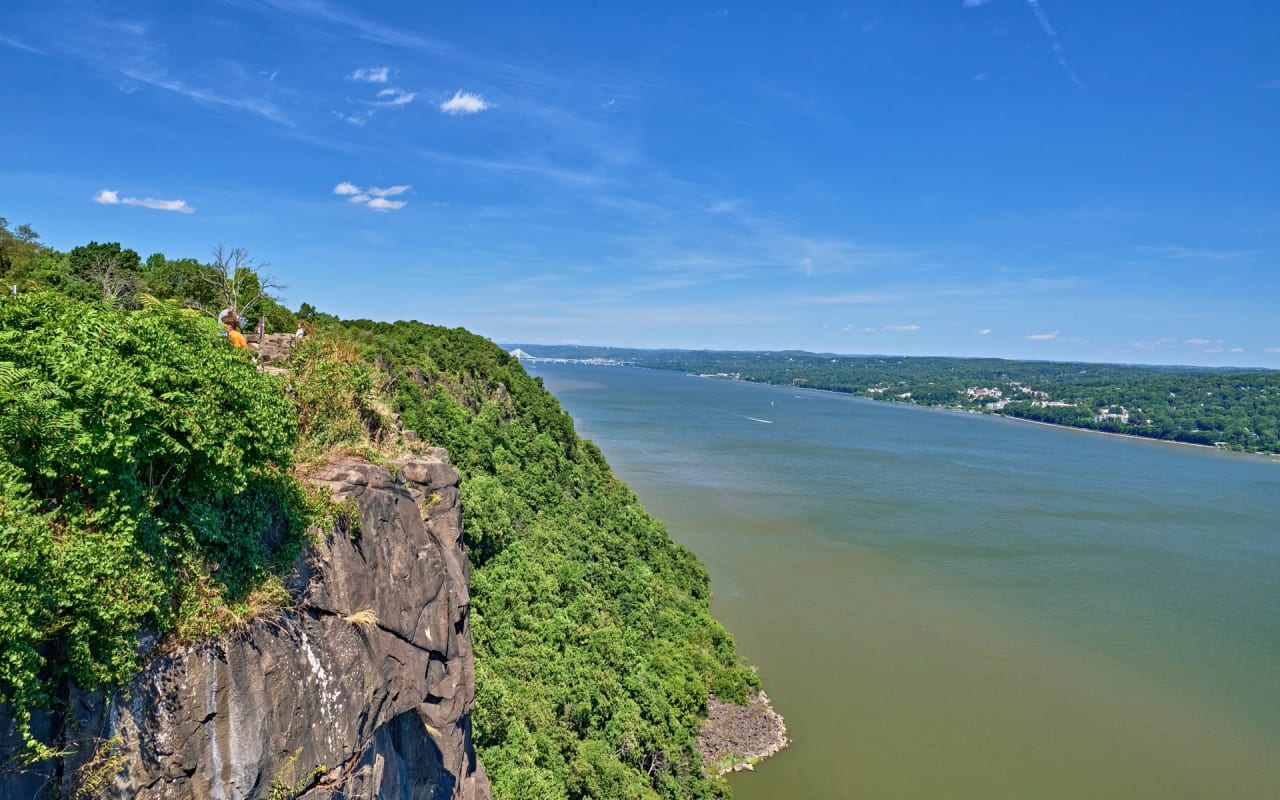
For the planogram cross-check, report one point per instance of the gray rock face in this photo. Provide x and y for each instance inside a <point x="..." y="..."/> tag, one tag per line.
<point x="362" y="691"/>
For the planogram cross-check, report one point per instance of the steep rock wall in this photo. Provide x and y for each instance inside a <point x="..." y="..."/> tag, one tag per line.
<point x="362" y="691"/>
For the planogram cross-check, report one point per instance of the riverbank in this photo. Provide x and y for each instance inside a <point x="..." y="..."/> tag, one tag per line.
<point x="735" y="738"/>
<point x="1132" y="436"/>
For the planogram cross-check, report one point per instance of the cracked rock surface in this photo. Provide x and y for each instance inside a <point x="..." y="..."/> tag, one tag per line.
<point x="363" y="691"/>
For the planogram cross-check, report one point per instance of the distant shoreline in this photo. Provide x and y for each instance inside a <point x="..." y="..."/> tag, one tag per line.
<point x="1131" y="436"/>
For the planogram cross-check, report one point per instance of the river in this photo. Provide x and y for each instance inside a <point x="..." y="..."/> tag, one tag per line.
<point x="948" y="605"/>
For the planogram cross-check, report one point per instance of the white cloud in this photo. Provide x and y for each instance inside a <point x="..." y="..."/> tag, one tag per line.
<point x="373" y="196"/>
<point x="984" y="331"/>
<point x="1198" y="342"/>
<point x="464" y="103"/>
<point x="383" y="204"/>
<point x="1273" y="349"/>
<point x="370" y="74"/>
<point x="395" y="97"/>
<point x="900" y="328"/>
<point x="160" y="205"/>
<point x="974" y="3"/>
<point x="109" y="197"/>
<point x="1042" y="337"/>
<point x="1236" y="350"/>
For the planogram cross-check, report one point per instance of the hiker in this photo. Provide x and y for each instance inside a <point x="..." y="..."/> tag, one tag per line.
<point x="232" y="324"/>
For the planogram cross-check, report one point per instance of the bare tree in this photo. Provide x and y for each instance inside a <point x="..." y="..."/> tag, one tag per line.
<point x="238" y="282"/>
<point x="119" y="284"/>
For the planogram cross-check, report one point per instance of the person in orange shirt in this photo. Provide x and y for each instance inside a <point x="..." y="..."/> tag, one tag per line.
<point x="232" y="323"/>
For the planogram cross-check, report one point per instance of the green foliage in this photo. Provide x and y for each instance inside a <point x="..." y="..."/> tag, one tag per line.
<point x="595" y="648"/>
<point x="112" y="271"/>
<point x="185" y="280"/>
<point x="286" y="785"/>
<point x="140" y="456"/>
<point x="18" y="251"/>
<point x="333" y="391"/>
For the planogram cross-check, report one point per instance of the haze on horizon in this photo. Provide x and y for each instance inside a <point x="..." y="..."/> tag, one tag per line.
<point x="1029" y="179"/>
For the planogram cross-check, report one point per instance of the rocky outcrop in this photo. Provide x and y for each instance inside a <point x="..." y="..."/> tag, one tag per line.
<point x="737" y="737"/>
<point x="361" y="691"/>
<point x="272" y="346"/>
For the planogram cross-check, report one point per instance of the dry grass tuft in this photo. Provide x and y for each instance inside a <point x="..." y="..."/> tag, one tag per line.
<point x="364" y="618"/>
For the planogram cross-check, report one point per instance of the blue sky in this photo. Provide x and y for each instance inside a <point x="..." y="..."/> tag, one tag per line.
<point x="1021" y="178"/>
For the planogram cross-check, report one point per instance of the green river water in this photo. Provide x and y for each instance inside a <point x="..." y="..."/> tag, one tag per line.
<point x="947" y="605"/>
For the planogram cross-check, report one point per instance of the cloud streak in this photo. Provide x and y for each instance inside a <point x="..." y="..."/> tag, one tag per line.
<point x="1053" y="41"/>
<point x="110" y="197"/>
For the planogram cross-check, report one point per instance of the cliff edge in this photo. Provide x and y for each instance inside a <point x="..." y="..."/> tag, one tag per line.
<point x="362" y="690"/>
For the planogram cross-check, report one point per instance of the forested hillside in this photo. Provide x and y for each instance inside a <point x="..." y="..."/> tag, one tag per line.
<point x="150" y="481"/>
<point x="1238" y="409"/>
<point x="595" y="648"/>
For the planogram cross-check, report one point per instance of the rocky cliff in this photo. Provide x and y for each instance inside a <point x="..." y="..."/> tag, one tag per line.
<point x="362" y="690"/>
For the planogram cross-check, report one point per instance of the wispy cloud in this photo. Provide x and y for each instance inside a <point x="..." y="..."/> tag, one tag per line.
<point x="370" y="74"/>
<point x="900" y="328"/>
<point x="395" y="97"/>
<point x="1197" y="253"/>
<point x="464" y="103"/>
<point x="974" y="3"/>
<point x="1273" y="349"/>
<point x="1053" y="41"/>
<point x="984" y="332"/>
<point x="361" y="26"/>
<point x="1199" y="342"/>
<point x="126" y="49"/>
<point x="1270" y="85"/>
<point x="1044" y="337"/>
<point x="110" y="197"/>
<point x="157" y="77"/>
<point x="21" y="45"/>
<point x="373" y="197"/>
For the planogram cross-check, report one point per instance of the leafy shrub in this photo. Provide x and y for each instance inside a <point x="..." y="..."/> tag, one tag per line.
<point x="140" y="455"/>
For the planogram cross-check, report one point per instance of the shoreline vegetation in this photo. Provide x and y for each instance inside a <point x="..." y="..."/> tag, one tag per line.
<point x="1236" y="409"/>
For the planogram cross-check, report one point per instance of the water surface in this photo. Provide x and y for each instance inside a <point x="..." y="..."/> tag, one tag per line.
<point x="962" y="606"/>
